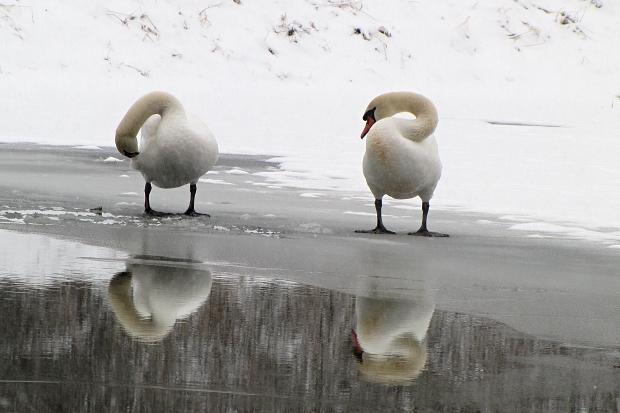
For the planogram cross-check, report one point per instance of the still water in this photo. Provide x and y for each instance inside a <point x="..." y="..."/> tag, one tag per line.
<point x="87" y="328"/>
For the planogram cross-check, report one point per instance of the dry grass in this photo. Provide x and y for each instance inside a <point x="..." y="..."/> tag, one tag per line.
<point x="532" y="30"/>
<point x="292" y="29"/>
<point x="202" y="16"/>
<point x="142" y="72"/>
<point x="8" y="8"/>
<point x="5" y="14"/>
<point x="355" y="5"/>
<point x="385" y="32"/>
<point x="146" y="24"/>
<point x="572" y="19"/>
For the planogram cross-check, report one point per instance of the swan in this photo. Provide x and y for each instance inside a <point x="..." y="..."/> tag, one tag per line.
<point x="401" y="159"/>
<point x="389" y="337"/>
<point x="149" y="298"/>
<point x="176" y="148"/>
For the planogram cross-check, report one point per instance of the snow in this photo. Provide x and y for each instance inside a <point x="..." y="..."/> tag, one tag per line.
<point x="111" y="159"/>
<point x="215" y="181"/>
<point x="527" y="91"/>
<point x="574" y="232"/>
<point x="237" y="171"/>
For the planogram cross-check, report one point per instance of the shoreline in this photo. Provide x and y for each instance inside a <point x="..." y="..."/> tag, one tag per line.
<point x="551" y="288"/>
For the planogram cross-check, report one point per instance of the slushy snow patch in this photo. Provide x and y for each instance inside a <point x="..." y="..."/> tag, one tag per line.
<point x="214" y="181"/>
<point x="571" y="231"/>
<point x="112" y="159"/>
<point x="237" y="172"/>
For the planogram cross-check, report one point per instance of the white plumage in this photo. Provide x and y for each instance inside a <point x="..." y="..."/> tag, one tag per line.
<point x="402" y="158"/>
<point x="175" y="149"/>
<point x="148" y="299"/>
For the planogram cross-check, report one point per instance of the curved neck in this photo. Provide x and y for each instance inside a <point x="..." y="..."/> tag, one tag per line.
<point x="150" y="104"/>
<point x="421" y="107"/>
<point x="121" y="300"/>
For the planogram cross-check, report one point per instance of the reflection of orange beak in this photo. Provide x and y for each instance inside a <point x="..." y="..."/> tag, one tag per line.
<point x="356" y="343"/>
<point x="369" y="124"/>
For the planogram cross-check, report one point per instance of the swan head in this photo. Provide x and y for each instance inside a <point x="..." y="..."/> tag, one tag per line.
<point x="126" y="144"/>
<point x="398" y="368"/>
<point x="370" y="119"/>
<point x="149" y="104"/>
<point x="389" y="104"/>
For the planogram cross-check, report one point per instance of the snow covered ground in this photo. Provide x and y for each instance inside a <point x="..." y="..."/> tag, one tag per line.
<point x="528" y="91"/>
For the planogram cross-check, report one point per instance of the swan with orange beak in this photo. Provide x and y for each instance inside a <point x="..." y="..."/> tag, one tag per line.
<point x="402" y="158"/>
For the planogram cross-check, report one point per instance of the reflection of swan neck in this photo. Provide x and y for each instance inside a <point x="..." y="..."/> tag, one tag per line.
<point x="390" y="332"/>
<point x="148" y="299"/>
<point x="121" y="300"/>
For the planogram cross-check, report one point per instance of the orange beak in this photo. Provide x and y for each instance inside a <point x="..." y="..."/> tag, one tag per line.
<point x="369" y="122"/>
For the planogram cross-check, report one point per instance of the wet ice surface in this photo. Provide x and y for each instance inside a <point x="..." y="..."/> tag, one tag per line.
<point x="152" y="333"/>
<point x="253" y="309"/>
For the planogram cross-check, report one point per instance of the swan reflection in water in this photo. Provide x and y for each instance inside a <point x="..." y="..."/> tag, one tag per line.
<point x="389" y="337"/>
<point x="154" y="292"/>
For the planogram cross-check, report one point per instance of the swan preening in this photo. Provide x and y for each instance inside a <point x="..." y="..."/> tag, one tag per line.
<point x="176" y="148"/>
<point x="149" y="297"/>
<point x="401" y="159"/>
<point x="389" y="337"/>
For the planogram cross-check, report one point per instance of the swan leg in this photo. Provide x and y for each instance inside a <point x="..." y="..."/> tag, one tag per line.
<point x="423" y="231"/>
<point x="192" y="196"/>
<point x="380" y="229"/>
<point x="147" y="204"/>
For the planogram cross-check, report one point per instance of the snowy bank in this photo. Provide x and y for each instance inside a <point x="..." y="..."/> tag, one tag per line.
<point x="527" y="91"/>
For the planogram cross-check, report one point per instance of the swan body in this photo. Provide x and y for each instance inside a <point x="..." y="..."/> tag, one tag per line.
<point x="402" y="158"/>
<point x="149" y="299"/>
<point x="389" y="337"/>
<point x="175" y="149"/>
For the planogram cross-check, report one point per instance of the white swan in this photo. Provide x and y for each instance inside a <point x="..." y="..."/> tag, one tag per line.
<point x="401" y="159"/>
<point x="389" y="337"/>
<point x="149" y="297"/>
<point x="176" y="148"/>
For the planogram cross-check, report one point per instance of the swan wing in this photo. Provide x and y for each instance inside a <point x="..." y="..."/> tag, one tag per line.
<point x="399" y="167"/>
<point x="149" y="131"/>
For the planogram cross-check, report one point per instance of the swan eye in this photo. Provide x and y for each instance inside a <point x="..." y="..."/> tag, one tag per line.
<point x="369" y="114"/>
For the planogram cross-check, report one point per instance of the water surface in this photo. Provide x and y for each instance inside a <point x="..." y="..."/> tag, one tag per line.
<point x="87" y="328"/>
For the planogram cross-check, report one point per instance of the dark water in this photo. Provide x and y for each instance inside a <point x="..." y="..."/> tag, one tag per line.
<point x="91" y="329"/>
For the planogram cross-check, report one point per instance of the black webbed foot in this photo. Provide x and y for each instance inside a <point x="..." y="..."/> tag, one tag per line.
<point x="427" y="233"/>
<point x="153" y="213"/>
<point x="377" y="230"/>
<point x="193" y="213"/>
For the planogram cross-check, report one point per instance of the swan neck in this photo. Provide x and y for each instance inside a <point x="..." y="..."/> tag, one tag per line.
<point x="426" y="117"/>
<point x="151" y="104"/>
